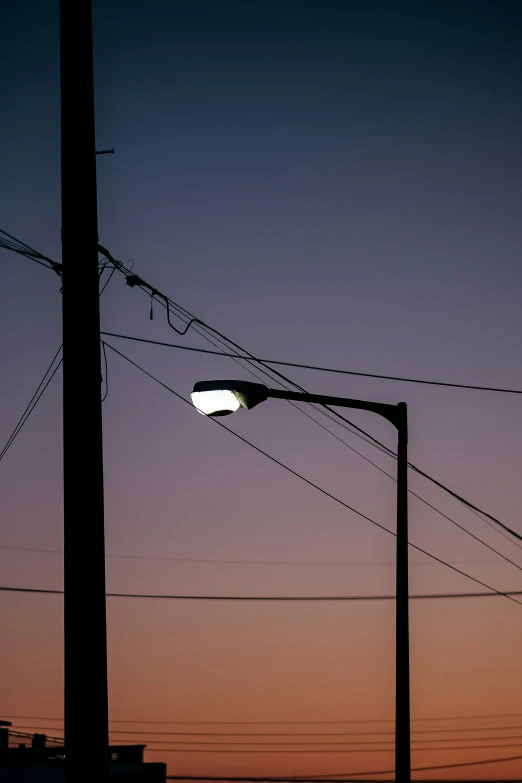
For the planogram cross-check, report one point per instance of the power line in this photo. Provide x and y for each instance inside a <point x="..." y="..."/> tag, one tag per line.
<point x="197" y="745"/>
<point x="310" y="483"/>
<point x="352" y="777"/>
<point x="108" y="280"/>
<point x="32" y="403"/>
<point x="179" y="396"/>
<point x="9" y="242"/>
<point x="466" y="502"/>
<point x="191" y="319"/>
<point x="297" y="779"/>
<point x="22" y="249"/>
<point x="340" y="420"/>
<point x="369" y="745"/>
<point x="323" y="752"/>
<point x="430" y="719"/>
<point x="217" y="561"/>
<point x="136" y="281"/>
<point x="496" y="529"/>
<point x="200" y="734"/>
<point x="414" y="494"/>
<point x="105" y="360"/>
<point x="472" y="535"/>
<point x="237" y="358"/>
<point x="250" y="358"/>
<point x="457" y="730"/>
<point x="286" y="598"/>
<point x="253" y="748"/>
<point x="417" y="769"/>
<point x="310" y="366"/>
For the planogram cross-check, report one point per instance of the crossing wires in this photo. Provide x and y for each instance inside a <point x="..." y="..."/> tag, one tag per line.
<point x="245" y="357"/>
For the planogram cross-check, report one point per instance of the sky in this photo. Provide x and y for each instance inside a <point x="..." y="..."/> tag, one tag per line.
<point x="337" y="184"/>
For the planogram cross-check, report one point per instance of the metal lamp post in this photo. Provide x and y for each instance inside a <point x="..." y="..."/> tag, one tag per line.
<point x="221" y="398"/>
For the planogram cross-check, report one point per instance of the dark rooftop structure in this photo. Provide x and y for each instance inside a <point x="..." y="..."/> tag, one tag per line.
<point x="28" y="758"/>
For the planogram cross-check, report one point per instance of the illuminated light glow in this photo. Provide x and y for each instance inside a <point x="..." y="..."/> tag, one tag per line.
<point x="218" y="402"/>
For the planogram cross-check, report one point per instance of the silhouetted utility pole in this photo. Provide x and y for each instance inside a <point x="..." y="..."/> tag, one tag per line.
<point x="86" y="703"/>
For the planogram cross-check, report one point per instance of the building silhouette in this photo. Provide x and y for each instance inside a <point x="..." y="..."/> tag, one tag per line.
<point x="38" y="758"/>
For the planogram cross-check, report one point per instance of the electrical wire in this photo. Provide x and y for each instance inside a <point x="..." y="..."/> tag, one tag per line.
<point x="391" y="734"/>
<point x="22" y="249"/>
<point x="290" y="598"/>
<point x="42" y="386"/>
<point x="495" y="528"/>
<point x="466" y="502"/>
<point x="414" y="494"/>
<point x="189" y="744"/>
<point x="430" y="719"/>
<point x="108" y="280"/>
<point x="302" y="366"/>
<point x="192" y="320"/>
<point x="296" y="563"/>
<point x="294" y="746"/>
<point x="414" y="769"/>
<point x="352" y="777"/>
<point x="423" y="500"/>
<point x="323" y="752"/>
<point x="312" y="484"/>
<point x="195" y="747"/>
<point x="9" y="242"/>
<point x="381" y="447"/>
<point x="188" y="316"/>
<point x="102" y="266"/>
<point x="106" y="368"/>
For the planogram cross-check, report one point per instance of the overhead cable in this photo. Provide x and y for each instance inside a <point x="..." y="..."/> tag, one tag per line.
<point x="393" y="478"/>
<point x="219" y="561"/>
<point x="352" y="777"/>
<point x="135" y="280"/>
<point x="189" y="317"/>
<point x="289" y="598"/>
<point x="242" y="735"/>
<point x="306" y="366"/>
<point x="430" y="719"/>
<point x="9" y="242"/>
<point x="252" y="751"/>
<point x="42" y="386"/>
<point x="310" y="483"/>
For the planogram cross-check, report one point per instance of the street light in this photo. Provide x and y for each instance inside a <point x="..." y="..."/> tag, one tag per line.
<point x="221" y="398"/>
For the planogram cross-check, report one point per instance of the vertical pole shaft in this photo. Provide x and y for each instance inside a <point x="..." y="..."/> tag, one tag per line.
<point x="85" y="636"/>
<point x="402" y="641"/>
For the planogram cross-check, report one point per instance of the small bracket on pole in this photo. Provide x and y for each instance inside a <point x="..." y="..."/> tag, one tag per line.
<point x="104" y="152"/>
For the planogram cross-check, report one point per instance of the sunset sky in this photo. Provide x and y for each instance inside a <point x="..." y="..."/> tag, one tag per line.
<point x="330" y="183"/>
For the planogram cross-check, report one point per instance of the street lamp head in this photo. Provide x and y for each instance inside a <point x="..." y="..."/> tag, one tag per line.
<point x="220" y="398"/>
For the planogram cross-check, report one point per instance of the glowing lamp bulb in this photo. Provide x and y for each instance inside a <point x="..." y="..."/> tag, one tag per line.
<point x="217" y="402"/>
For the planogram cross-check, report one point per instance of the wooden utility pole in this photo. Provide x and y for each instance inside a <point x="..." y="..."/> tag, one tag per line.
<point x="85" y="634"/>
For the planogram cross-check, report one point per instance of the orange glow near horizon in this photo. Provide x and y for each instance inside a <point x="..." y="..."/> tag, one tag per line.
<point x="252" y="665"/>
